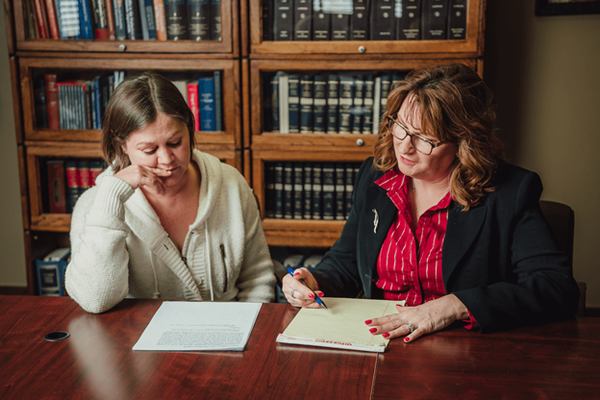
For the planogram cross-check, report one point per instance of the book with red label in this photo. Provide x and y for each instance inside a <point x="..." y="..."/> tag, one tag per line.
<point x="192" y="96"/>
<point x="72" y="184"/>
<point x="96" y="168"/>
<point x="52" y="21"/>
<point x="84" y="176"/>
<point x="52" y="111"/>
<point x="56" y="186"/>
<point x="42" y="20"/>
<point x="159" y="19"/>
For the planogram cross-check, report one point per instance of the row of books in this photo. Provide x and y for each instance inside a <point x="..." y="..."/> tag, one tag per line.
<point x="51" y="270"/>
<point x="124" y="19"/>
<point x="309" y="190"/>
<point x="74" y="103"/>
<point x="204" y="97"/>
<point x="67" y="180"/>
<point x="336" y="103"/>
<point x="364" y="19"/>
<point x="81" y="104"/>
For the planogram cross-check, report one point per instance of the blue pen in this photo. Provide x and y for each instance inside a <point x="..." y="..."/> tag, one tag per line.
<point x="317" y="298"/>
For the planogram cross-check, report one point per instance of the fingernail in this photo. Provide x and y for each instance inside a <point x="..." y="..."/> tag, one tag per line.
<point x="407" y="339"/>
<point x="385" y="335"/>
<point x="368" y="322"/>
<point x="312" y="296"/>
<point x="399" y="305"/>
<point x="373" y="330"/>
<point x="296" y="273"/>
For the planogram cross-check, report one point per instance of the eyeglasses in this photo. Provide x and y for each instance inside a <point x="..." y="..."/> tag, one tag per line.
<point x="422" y="145"/>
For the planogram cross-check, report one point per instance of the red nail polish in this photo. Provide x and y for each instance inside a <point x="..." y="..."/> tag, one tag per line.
<point x="368" y="322"/>
<point x="312" y="296"/>
<point x="385" y="335"/>
<point x="407" y="339"/>
<point x="296" y="273"/>
<point x="373" y="330"/>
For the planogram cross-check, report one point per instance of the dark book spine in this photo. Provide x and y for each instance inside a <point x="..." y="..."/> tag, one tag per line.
<point x="56" y="186"/>
<point x="317" y="190"/>
<point x="349" y="188"/>
<point x="206" y="92"/>
<point x="306" y="104"/>
<point x="52" y="106"/>
<point x="39" y="97"/>
<point x="278" y="187"/>
<point x="85" y="20"/>
<point x="321" y="24"/>
<point x="100" y="20"/>
<point x="275" y="103"/>
<point x="48" y="278"/>
<point x="358" y="107"/>
<point x="457" y="19"/>
<point x="176" y="20"/>
<point x="408" y="24"/>
<point x="320" y="104"/>
<point x="307" y="195"/>
<point x="62" y="106"/>
<point x="333" y="85"/>
<point x="269" y="190"/>
<point x="288" y="190"/>
<point x="132" y="20"/>
<point x="294" y="103"/>
<point x="120" y="25"/>
<point x="328" y="191"/>
<point x="72" y="184"/>
<point x="199" y="19"/>
<point x="88" y="106"/>
<point x="267" y="20"/>
<point x="298" y="190"/>
<point x="367" y="127"/>
<point x="96" y="168"/>
<point x="359" y="21"/>
<point x="303" y="19"/>
<point x="218" y="101"/>
<point x="386" y="82"/>
<point x="283" y="23"/>
<point x="216" y="20"/>
<point x="434" y="19"/>
<point x="383" y="21"/>
<point x="340" y="27"/>
<point x="340" y="191"/>
<point x="346" y="94"/>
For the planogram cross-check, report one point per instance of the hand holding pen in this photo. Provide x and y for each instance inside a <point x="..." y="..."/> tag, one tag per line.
<point x="316" y="297"/>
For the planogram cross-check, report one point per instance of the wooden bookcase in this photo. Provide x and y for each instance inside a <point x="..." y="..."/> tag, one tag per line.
<point x="333" y="57"/>
<point x="83" y="59"/>
<point x="244" y="59"/>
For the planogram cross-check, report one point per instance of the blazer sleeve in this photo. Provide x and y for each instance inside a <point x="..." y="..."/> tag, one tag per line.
<point x="534" y="284"/>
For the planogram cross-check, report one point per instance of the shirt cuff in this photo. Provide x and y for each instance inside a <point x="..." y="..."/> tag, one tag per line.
<point x="470" y="323"/>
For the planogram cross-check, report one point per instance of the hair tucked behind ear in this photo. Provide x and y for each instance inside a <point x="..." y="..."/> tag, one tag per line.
<point x="456" y="107"/>
<point x="136" y="103"/>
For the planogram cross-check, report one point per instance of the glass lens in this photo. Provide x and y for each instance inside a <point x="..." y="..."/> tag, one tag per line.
<point x="421" y="145"/>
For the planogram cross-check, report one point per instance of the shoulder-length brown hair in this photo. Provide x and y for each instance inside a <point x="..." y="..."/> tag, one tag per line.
<point x="135" y="103"/>
<point x="456" y="107"/>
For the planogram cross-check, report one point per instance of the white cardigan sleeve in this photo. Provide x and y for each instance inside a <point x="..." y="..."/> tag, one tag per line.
<point x="97" y="276"/>
<point x="256" y="282"/>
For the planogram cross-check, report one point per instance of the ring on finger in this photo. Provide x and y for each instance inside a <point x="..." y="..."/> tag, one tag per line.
<point x="411" y="327"/>
<point x="292" y="293"/>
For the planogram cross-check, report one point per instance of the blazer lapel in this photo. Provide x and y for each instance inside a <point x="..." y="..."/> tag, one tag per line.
<point x="383" y="213"/>
<point x="462" y="230"/>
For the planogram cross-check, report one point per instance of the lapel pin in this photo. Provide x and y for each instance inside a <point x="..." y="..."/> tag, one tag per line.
<point x="375" y="220"/>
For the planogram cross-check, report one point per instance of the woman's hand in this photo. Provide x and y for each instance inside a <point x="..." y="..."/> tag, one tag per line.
<point x="296" y="293"/>
<point x="425" y="318"/>
<point x="138" y="176"/>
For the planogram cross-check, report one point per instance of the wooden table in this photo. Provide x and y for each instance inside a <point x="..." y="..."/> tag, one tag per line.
<point x="560" y="360"/>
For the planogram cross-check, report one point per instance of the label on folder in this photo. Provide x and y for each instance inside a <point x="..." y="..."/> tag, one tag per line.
<point x="199" y="326"/>
<point x="341" y="326"/>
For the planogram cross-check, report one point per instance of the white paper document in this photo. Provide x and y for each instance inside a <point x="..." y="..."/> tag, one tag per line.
<point x="198" y="326"/>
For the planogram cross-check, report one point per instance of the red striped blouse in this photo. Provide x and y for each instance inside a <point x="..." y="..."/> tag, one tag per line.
<point x="410" y="262"/>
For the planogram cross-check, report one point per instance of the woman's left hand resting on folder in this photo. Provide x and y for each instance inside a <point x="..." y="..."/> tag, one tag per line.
<point x="425" y="318"/>
<point x="296" y="293"/>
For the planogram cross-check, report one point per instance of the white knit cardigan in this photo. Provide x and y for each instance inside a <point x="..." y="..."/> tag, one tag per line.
<point x="119" y="248"/>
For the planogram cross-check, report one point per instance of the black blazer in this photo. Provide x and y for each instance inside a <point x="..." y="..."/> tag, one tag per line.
<point x="499" y="258"/>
